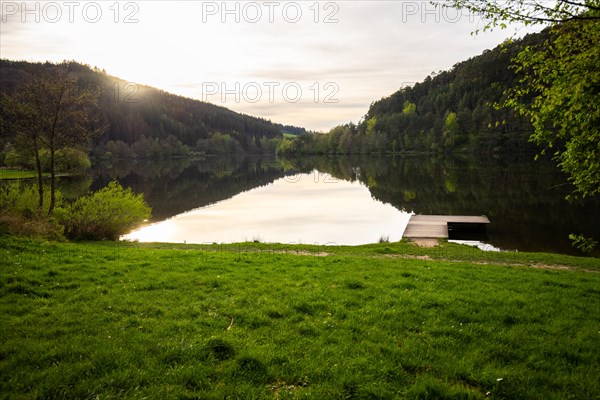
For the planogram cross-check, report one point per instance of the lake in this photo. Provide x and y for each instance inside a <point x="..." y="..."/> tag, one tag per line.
<point x="310" y="208"/>
<point x="352" y="200"/>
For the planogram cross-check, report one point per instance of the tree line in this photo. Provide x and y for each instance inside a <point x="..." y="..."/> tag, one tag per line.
<point x="449" y="111"/>
<point x="539" y="91"/>
<point x="53" y="115"/>
<point x="145" y="122"/>
<point x="536" y="94"/>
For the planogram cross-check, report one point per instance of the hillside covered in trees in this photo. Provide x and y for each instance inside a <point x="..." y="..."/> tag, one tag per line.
<point x="141" y="121"/>
<point x="449" y="111"/>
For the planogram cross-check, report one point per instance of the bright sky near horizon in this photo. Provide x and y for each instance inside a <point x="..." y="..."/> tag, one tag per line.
<point x="311" y="63"/>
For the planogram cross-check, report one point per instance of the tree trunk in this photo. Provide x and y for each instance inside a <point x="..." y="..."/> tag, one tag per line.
<point x="38" y="166"/>
<point x="52" y="183"/>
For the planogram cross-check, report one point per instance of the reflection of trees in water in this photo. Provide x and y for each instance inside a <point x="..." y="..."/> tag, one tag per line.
<point x="525" y="200"/>
<point x="73" y="187"/>
<point x="144" y="168"/>
<point x="175" y="186"/>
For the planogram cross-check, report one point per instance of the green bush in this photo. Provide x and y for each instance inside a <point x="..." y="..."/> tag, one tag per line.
<point x="21" y="216"/>
<point x="106" y="214"/>
<point x="22" y="199"/>
<point x="16" y="159"/>
<point x="17" y="199"/>
<point x="583" y="243"/>
<point x="70" y="160"/>
<point x="73" y="161"/>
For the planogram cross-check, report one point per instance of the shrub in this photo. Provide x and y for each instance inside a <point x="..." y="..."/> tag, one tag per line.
<point x="16" y="199"/>
<point x="71" y="160"/>
<point x="19" y="198"/>
<point x="74" y="161"/>
<point x="583" y="243"/>
<point x="21" y="216"/>
<point x="16" y="159"/>
<point x="106" y="214"/>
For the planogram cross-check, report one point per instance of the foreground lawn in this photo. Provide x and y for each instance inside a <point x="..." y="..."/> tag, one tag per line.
<point x="255" y="321"/>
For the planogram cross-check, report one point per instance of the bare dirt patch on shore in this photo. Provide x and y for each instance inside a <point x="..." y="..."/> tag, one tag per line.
<point x="425" y="242"/>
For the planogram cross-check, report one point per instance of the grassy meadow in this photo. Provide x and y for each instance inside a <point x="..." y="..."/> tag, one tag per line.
<point x="257" y="321"/>
<point x="10" y="174"/>
<point x="16" y="174"/>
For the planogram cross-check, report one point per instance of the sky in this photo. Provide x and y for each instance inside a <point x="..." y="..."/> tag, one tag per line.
<point x="314" y="64"/>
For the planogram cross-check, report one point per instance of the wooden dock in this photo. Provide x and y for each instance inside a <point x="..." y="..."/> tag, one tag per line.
<point x="437" y="226"/>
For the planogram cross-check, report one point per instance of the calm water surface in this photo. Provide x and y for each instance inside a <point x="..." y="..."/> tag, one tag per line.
<point x="352" y="200"/>
<point x="310" y="208"/>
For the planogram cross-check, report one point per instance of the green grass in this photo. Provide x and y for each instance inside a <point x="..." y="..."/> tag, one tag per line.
<point x="287" y="135"/>
<point x="12" y="174"/>
<point x="260" y="321"/>
<point x="9" y="174"/>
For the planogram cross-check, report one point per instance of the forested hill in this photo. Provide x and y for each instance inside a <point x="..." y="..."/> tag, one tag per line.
<point x="455" y="108"/>
<point x="449" y="110"/>
<point x="144" y="121"/>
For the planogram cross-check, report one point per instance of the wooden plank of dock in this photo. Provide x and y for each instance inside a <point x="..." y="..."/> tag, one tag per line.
<point x="436" y="226"/>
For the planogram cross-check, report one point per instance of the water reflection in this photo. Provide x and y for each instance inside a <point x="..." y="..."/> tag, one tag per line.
<point x="524" y="200"/>
<point x="172" y="187"/>
<point x="303" y="208"/>
<point x="476" y="243"/>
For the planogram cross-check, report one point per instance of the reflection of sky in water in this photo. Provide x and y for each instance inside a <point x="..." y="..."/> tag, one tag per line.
<point x="305" y="208"/>
<point x="476" y="243"/>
